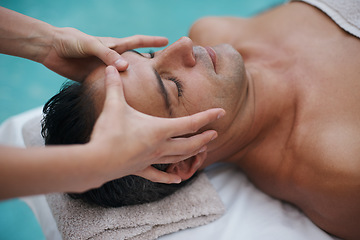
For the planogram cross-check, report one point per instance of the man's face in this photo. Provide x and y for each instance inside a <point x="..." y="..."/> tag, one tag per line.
<point x="184" y="79"/>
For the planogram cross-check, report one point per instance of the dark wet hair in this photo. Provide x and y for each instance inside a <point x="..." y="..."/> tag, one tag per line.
<point x="69" y="117"/>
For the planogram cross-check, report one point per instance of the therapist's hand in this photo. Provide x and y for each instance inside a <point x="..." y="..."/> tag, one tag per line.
<point x="130" y="141"/>
<point x="74" y="54"/>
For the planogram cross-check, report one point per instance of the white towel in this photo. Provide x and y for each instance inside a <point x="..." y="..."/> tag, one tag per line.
<point x="194" y="205"/>
<point x="345" y="13"/>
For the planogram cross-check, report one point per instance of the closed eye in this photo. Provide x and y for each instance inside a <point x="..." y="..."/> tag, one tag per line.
<point x="178" y="85"/>
<point x="175" y="80"/>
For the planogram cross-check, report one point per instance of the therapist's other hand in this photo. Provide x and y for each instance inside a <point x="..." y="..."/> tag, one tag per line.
<point x="132" y="141"/>
<point x="74" y="54"/>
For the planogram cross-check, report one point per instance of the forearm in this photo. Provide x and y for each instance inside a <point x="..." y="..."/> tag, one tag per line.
<point x="24" y="36"/>
<point x="44" y="170"/>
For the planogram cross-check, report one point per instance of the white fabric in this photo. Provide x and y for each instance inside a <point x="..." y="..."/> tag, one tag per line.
<point x="345" y="13"/>
<point x="250" y="214"/>
<point x="192" y="206"/>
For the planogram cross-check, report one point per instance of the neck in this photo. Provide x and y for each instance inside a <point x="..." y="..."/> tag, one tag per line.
<point x="264" y="111"/>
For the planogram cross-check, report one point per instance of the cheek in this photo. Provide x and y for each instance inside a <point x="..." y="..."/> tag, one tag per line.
<point x="213" y="93"/>
<point x="204" y="94"/>
<point x="196" y="98"/>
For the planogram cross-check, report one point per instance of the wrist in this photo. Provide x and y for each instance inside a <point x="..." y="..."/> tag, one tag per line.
<point x="42" y="41"/>
<point x="95" y="166"/>
<point x="78" y="166"/>
<point x="24" y="36"/>
<point x="90" y="171"/>
<point x="104" y="164"/>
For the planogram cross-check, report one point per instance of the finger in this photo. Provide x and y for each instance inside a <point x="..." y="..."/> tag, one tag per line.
<point x="156" y="175"/>
<point x="178" y="149"/>
<point x="178" y="158"/>
<point x="199" y="160"/>
<point x="102" y="49"/>
<point x="107" y="55"/>
<point x="190" y="145"/>
<point x="114" y="87"/>
<point x="190" y="124"/>
<point x="139" y="41"/>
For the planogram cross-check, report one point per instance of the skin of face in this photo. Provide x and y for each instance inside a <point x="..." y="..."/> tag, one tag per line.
<point x="202" y="82"/>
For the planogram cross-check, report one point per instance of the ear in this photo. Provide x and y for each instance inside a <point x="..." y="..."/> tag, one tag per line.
<point x="186" y="168"/>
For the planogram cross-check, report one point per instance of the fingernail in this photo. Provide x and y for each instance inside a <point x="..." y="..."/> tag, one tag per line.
<point x="221" y="115"/>
<point x="178" y="180"/>
<point x="197" y="164"/>
<point x="203" y="149"/>
<point x="110" y="70"/>
<point x="214" y="136"/>
<point x="120" y="63"/>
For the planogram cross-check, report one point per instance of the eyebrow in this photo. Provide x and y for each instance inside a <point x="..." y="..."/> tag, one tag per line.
<point x="161" y="86"/>
<point x="163" y="91"/>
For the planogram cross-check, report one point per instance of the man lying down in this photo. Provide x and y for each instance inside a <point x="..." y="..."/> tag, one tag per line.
<point x="289" y="82"/>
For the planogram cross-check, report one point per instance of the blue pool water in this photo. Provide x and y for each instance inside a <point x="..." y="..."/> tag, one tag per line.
<point x="25" y="84"/>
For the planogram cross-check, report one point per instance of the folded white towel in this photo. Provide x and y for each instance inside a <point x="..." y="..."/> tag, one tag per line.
<point x="345" y="13"/>
<point x="194" y="205"/>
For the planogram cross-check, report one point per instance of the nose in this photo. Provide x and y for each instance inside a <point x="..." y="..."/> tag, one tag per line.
<point x="180" y="52"/>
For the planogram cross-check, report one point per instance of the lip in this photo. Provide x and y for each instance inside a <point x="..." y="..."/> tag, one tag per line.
<point x="212" y="55"/>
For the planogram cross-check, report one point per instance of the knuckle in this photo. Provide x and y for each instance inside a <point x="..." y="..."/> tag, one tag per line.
<point x="110" y="53"/>
<point x="152" y="176"/>
<point x="158" y="136"/>
<point x="157" y="153"/>
<point x="155" y="178"/>
<point x="139" y="36"/>
<point x="171" y="159"/>
<point x="193" y="125"/>
<point x="188" y="146"/>
<point x="88" y="44"/>
<point x="180" y="158"/>
<point x="70" y="29"/>
<point x="139" y="40"/>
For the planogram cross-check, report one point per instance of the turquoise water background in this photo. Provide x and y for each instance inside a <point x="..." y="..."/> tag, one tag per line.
<point x="25" y="85"/>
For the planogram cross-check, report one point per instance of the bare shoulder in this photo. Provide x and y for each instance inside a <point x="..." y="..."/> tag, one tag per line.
<point x="210" y="31"/>
<point x="328" y="178"/>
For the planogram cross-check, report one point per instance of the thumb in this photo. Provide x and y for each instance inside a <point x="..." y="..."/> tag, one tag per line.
<point x="105" y="125"/>
<point x="114" y="86"/>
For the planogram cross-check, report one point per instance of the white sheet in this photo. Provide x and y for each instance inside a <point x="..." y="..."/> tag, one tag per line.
<point x="250" y="213"/>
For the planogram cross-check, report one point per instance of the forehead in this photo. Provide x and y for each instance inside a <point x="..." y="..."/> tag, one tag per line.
<point x="140" y="86"/>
